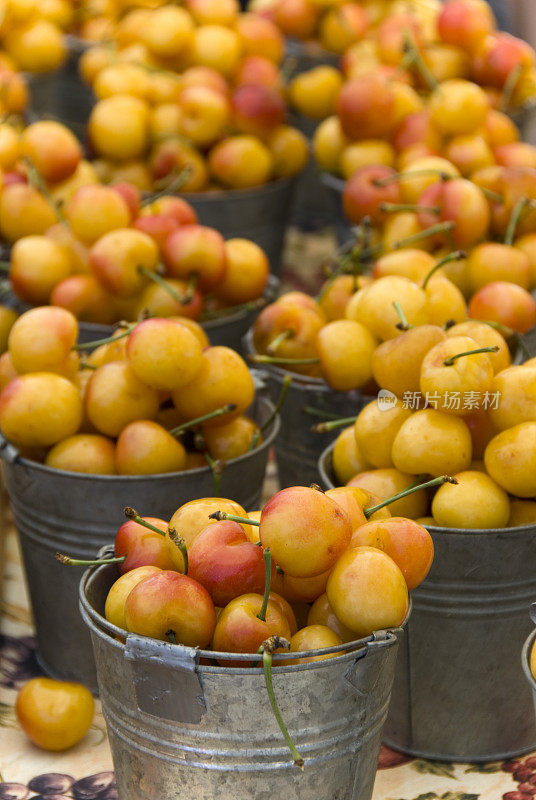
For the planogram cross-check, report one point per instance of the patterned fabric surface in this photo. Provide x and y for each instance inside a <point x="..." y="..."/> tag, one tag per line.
<point x="85" y="771"/>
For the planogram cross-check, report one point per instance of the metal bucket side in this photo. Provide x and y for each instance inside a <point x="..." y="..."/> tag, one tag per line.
<point x="78" y="514"/>
<point x="525" y="663"/>
<point x="304" y="56"/>
<point x="335" y="187"/>
<point x="227" y="330"/>
<point x="455" y="662"/>
<point x="312" y="206"/>
<point x="297" y="448"/>
<point x="260" y="214"/>
<point x="62" y="94"/>
<point x="215" y="736"/>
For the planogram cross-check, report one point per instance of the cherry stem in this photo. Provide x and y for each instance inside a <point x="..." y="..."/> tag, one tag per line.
<point x="368" y="512"/>
<point x="252" y="305"/>
<point x="275" y="343"/>
<point x="179" y="542"/>
<point x="318" y="412"/>
<point x="408" y="175"/>
<point x="266" y="554"/>
<point x="260" y="359"/>
<point x="92" y="562"/>
<point x="509" y="86"/>
<point x="394" y="208"/>
<point x="222" y="515"/>
<point x="37" y="181"/>
<point x="182" y="298"/>
<point x="174" y="186"/>
<point x="515" y="217"/>
<point x="216" y="467"/>
<point x="287" y="380"/>
<point x="171" y="636"/>
<point x="267" y="648"/>
<point x="448" y="362"/>
<point x="87" y="365"/>
<point x="98" y="342"/>
<point x="133" y="515"/>
<point x="440" y="227"/>
<point x="219" y="412"/>
<point x="325" y="427"/>
<point x="491" y="195"/>
<point x="415" y="59"/>
<point x="403" y="325"/>
<point x="457" y="255"/>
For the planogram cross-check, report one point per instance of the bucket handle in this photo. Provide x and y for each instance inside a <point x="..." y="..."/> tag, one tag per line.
<point x="363" y="680"/>
<point x="8" y="451"/>
<point x="165" y="679"/>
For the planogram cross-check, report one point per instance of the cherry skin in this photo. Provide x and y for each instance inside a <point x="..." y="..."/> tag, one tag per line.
<point x="314" y="637"/>
<point x="477" y="501"/>
<point x="163" y="354"/>
<point x="362" y="576"/>
<point x="84" y="452"/>
<point x="167" y="602"/>
<point x="239" y="629"/>
<point x="145" y="448"/>
<point x="114" y="608"/>
<point x="226" y="563"/>
<point x="55" y="715"/>
<point x="305" y="531"/>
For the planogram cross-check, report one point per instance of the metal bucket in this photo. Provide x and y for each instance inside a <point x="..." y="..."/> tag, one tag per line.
<point x="312" y="207"/>
<point x="260" y="214"/>
<point x="62" y="94"/>
<point x="78" y="514"/>
<point x="525" y="661"/>
<point x="459" y="695"/>
<point x="178" y="728"/>
<point x="227" y="330"/>
<point x="297" y="448"/>
<point x="304" y="56"/>
<point x="335" y="187"/>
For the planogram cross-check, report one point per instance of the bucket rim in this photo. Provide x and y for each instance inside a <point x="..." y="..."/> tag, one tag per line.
<point x="332" y="181"/>
<point x="15" y="457"/>
<point x="328" y="483"/>
<point x="105" y="629"/>
<point x="525" y="659"/>
<point x="272" y="187"/>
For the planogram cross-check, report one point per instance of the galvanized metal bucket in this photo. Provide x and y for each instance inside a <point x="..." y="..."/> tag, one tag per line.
<point x="78" y="514"/>
<point x="302" y="56"/>
<point x="180" y="728"/>
<point x="260" y="214"/>
<point x="62" y="94"/>
<point x="312" y="207"/>
<point x="335" y="187"/>
<point x="227" y="330"/>
<point x="297" y="448"/>
<point x="459" y="693"/>
<point x="525" y="657"/>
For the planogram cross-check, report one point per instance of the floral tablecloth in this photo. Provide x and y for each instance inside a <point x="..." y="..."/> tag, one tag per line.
<point x="85" y="771"/>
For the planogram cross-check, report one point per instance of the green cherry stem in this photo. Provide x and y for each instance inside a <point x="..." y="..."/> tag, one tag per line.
<point x="403" y="325"/>
<point x="433" y="230"/>
<point x="368" y="512"/>
<point x="274" y="345"/>
<point x="509" y="87"/>
<point x="267" y="583"/>
<point x="216" y="467"/>
<point x="219" y="412"/>
<point x="448" y="362"/>
<point x="179" y="542"/>
<point x="221" y="515"/>
<point x="36" y="180"/>
<point x="491" y="195"/>
<point x="457" y="255"/>
<point x="133" y="515"/>
<point x="260" y="359"/>
<point x="287" y="380"/>
<point x="267" y="648"/>
<point x="416" y="60"/>
<point x="395" y="208"/>
<point x="171" y="636"/>
<point x="318" y="412"/>
<point x="92" y="562"/>
<point x="98" y="342"/>
<point x="181" y="298"/>
<point x="408" y="175"/>
<point x="515" y="217"/>
<point x="176" y="184"/>
<point x="331" y="425"/>
<point x="251" y="305"/>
